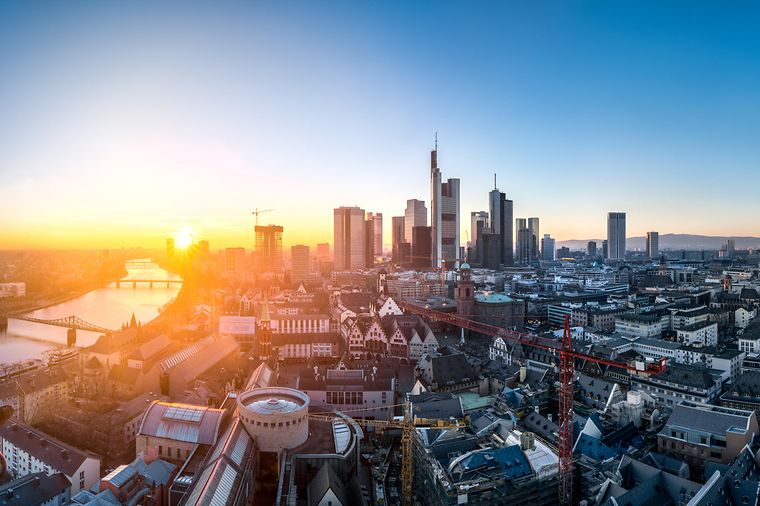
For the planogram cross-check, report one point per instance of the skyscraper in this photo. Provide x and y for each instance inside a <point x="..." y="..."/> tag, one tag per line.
<point x="299" y="259"/>
<point x="616" y="236"/>
<point x="547" y="248"/>
<point x="323" y="250"/>
<point x="445" y="217"/>
<point x="421" y="246"/>
<point x="374" y="237"/>
<point x="591" y="249"/>
<point x="653" y="244"/>
<point x="478" y="223"/>
<point x="397" y="236"/>
<point x="500" y="208"/>
<point x="268" y="248"/>
<point x="348" y="238"/>
<point x="234" y="262"/>
<point x="524" y="240"/>
<point x="415" y="215"/>
<point x="533" y="226"/>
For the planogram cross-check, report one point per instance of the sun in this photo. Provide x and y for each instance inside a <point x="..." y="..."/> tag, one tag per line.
<point x="184" y="238"/>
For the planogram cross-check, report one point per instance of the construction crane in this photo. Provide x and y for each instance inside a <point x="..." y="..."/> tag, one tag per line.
<point x="407" y="426"/>
<point x="567" y="357"/>
<point x="257" y="212"/>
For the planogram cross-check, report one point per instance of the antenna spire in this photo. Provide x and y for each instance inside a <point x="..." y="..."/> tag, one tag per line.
<point x="436" y="141"/>
<point x="494" y="181"/>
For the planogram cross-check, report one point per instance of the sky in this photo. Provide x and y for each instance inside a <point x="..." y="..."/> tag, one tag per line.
<point x="124" y="122"/>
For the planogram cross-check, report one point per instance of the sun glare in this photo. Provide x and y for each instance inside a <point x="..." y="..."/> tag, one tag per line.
<point x="183" y="238"/>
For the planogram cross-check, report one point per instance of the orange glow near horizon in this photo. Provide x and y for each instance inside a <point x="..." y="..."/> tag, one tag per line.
<point x="183" y="239"/>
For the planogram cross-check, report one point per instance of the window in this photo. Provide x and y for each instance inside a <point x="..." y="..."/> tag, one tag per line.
<point x="160" y="450"/>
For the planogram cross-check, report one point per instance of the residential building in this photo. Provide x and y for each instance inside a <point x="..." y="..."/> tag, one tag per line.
<point x="349" y="238"/>
<point x="145" y="480"/>
<point x="447" y="370"/>
<point x="653" y="244"/>
<point x="743" y="316"/>
<point x="700" y="433"/>
<point x="616" y="236"/>
<point x="35" y="395"/>
<point x="700" y="334"/>
<point x="300" y="262"/>
<point x="37" y="489"/>
<point x="445" y="216"/>
<point x="679" y="383"/>
<point x="29" y="450"/>
<point x="744" y="392"/>
<point x="235" y="263"/>
<point x="638" y="325"/>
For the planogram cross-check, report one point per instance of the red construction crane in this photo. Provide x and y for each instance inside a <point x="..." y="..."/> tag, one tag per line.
<point x="567" y="356"/>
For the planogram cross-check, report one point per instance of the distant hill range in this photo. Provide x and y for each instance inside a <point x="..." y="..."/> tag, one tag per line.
<point x="673" y="242"/>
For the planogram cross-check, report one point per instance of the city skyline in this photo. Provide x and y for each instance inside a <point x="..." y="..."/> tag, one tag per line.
<point x="112" y="137"/>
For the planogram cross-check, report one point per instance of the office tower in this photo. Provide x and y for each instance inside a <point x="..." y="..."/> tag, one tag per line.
<point x="445" y="217"/>
<point x="268" y="248"/>
<point x="489" y="246"/>
<point x="170" y="248"/>
<point x="524" y="241"/>
<point x="534" y="241"/>
<point x="653" y="244"/>
<point x="348" y="238"/>
<point x="500" y="209"/>
<point x="373" y="230"/>
<point x="605" y="249"/>
<point x="475" y="218"/>
<point x="415" y="215"/>
<point x="563" y="252"/>
<point x="616" y="236"/>
<point x="422" y="242"/>
<point x="729" y="249"/>
<point x="397" y="236"/>
<point x="203" y="248"/>
<point x="591" y="249"/>
<point x="299" y="260"/>
<point x="234" y="261"/>
<point x="323" y="250"/>
<point x="547" y="248"/>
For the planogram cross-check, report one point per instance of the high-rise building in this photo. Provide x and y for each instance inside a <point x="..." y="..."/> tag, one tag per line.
<point x="616" y="236"/>
<point x="234" y="262"/>
<point x="535" y="239"/>
<point x="415" y="215"/>
<point x="204" y="250"/>
<point x="349" y="239"/>
<point x="323" y="250"/>
<point x="478" y="223"/>
<point x="500" y="208"/>
<point x="563" y="252"/>
<point x="268" y="248"/>
<point x="605" y="249"/>
<point x="524" y="241"/>
<point x="547" y="248"/>
<point x="397" y="236"/>
<point x="653" y="244"/>
<point x="422" y="239"/>
<point x="489" y="248"/>
<point x="373" y="230"/>
<point x="445" y="217"/>
<point x="591" y="249"/>
<point x="299" y="259"/>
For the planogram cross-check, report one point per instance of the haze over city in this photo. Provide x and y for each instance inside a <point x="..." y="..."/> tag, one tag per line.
<point x="125" y="122"/>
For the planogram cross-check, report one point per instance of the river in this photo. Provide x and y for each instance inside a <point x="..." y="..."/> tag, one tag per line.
<point x="108" y="307"/>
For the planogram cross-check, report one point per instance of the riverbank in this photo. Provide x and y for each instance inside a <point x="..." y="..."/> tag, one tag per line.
<point x="36" y="305"/>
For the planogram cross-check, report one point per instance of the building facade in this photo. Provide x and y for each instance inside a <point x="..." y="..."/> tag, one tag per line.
<point x="349" y="238"/>
<point x="615" y="236"/>
<point x="445" y="216"/>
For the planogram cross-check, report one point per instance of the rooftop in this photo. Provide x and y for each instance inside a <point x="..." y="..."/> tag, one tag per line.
<point x="182" y="422"/>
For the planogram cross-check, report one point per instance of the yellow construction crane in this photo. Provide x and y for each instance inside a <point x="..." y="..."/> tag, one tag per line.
<point x="407" y="426"/>
<point x="257" y="212"/>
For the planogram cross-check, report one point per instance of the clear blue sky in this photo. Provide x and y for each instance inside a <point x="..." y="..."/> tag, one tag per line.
<point x="123" y="121"/>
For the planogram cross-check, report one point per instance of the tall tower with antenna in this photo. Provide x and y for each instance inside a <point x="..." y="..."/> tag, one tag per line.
<point x="444" y="216"/>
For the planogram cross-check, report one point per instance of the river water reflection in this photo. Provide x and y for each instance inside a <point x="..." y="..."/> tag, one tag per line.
<point x="108" y="307"/>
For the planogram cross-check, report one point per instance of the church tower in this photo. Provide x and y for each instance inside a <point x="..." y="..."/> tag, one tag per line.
<point x="465" y="292"/>
<point x="264" y="333"/>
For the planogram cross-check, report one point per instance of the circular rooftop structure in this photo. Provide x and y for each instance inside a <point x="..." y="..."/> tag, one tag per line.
<point x="464" y="266"/>
<point x="276" y="416"/>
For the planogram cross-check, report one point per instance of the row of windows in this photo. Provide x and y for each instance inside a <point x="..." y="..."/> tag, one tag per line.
<point x="345" y="397"/>
<point x="278" y="425"/>
<point x="177" y="452"/>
